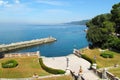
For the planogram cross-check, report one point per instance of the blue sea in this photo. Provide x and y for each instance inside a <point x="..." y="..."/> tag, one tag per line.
<point x="68" y="37"/>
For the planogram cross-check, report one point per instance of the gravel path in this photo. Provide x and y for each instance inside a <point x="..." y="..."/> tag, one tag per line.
<point x="73" y="63"/>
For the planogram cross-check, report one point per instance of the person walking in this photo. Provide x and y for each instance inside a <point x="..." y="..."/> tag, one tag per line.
<point x="80" y="74"/>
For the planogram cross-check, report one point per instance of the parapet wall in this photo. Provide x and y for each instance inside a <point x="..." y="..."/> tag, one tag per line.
<point x="106" y="75"/>
<point x="22" y="54"/>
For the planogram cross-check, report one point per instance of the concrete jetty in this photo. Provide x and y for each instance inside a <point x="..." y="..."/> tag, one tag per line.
<point x="18" y="45"/>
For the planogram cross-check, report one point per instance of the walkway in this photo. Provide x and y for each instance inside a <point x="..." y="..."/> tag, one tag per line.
<point x="74" y="64"/>
<point x="72" y="61"/>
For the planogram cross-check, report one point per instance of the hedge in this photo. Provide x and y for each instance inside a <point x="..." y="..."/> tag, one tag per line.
<point x="10" y="64"/>
<point x="107" y="55"/>
<point x="50" y="70"/>
<point x="88" y="59"/>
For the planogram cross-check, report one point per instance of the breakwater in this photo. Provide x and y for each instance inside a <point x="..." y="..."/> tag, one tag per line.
<point x="18" y="45"/>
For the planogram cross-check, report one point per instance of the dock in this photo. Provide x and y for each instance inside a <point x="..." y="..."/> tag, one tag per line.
<point x="24" y="44"/>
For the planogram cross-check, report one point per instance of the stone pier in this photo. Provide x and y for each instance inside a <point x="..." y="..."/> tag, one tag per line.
<point x="18" y="45"/>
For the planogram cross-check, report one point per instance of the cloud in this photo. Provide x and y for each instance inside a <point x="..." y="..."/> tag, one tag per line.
<point x="17" y="1"/>
<point x="14" y="7"/>
<point x="51" y="2"/>
<point x="4" y="3"/>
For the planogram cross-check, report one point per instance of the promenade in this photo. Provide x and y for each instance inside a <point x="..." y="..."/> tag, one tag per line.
<point x="73" y="63"/>
<point x="18" y="45"/>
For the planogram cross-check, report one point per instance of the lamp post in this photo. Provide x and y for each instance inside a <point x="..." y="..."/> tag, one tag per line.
<point x="67" y="59"/>
<point x="67" y="66"/>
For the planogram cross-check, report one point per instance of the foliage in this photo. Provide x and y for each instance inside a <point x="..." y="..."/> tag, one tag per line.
<point x="26" y="68"/>
<point x="116" y="16"/>
<point x="107" y="55"/>
<point x="50" y="70"/>
<point x="101" y="62"/>
<point x="10" y="64"/>
<point x="98" y="20"/>
<point x="113" y="42"/>
<point x="103" y="30"/>
<point x="83" y="22"/>
<point x="100" y="28"/>
<point x="88" y="59"/>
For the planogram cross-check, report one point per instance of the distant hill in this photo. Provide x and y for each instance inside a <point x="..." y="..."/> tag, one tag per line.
<point x="82" y="22"/>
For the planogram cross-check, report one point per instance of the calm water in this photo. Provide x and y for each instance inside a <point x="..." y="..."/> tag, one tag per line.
<point x="68" y="37"/>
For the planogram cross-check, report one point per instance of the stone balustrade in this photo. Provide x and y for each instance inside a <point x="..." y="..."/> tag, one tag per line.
<point x="22" y="54"/>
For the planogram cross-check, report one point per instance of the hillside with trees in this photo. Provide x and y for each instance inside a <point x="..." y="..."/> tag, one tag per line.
<point x="104" y="30"/>
<point x="82" y="22"/>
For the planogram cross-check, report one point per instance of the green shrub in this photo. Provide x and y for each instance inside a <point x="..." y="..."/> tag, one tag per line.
<point x="107" y="55"/>
<point x="50" y="70"/>
<point x="88" y="59"/>
<point x="10" y="64"/>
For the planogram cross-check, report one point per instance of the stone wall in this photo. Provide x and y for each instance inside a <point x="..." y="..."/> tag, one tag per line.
<point x="111" y="76"/>
<point x="108" y="75"/>
<point x="22" y="54"/>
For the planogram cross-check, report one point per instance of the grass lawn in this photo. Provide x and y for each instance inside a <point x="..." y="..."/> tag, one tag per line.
<point x="58" y="78"/>
<point x="27" y="66"/>
<point x="115" y="71"/>
<point x="103" y="62"/>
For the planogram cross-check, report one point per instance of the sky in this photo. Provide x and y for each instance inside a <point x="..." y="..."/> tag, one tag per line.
<point x="52" y="11"/>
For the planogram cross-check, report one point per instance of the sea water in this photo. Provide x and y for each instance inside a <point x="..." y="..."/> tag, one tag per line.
<point x="68" y="37"/>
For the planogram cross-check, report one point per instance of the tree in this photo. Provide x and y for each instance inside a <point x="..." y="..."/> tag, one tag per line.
<point x="108" y="27"/>
<point x="103" y="28"/>
<point x="100" y="28"/>
<point x="116" y="16"/>
<point x="98" y="20"/>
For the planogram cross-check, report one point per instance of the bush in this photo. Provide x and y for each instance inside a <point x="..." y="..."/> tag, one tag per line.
<point x="107" y="55"/>
<point x="50" y="70"/>
<point x="88" y="59"/>
<point x="10" y="64"/>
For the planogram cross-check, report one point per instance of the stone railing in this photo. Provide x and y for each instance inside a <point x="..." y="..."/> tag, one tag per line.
<point x="105" y="74"/>
<point x="37" y="77"/>
<point x="111" y="76"/>
<point x="22" y="54"/>
<point x="77" y="52"/>
<point x="17" y="79"/>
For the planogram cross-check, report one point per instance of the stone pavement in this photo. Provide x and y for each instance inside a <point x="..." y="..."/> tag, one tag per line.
<point x="73" y="63"/>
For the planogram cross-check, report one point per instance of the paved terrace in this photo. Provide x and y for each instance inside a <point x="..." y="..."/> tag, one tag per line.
<point x="73" y="62"/>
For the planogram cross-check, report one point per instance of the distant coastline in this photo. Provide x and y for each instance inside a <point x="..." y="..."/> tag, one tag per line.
<point x="82" y="22"/>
